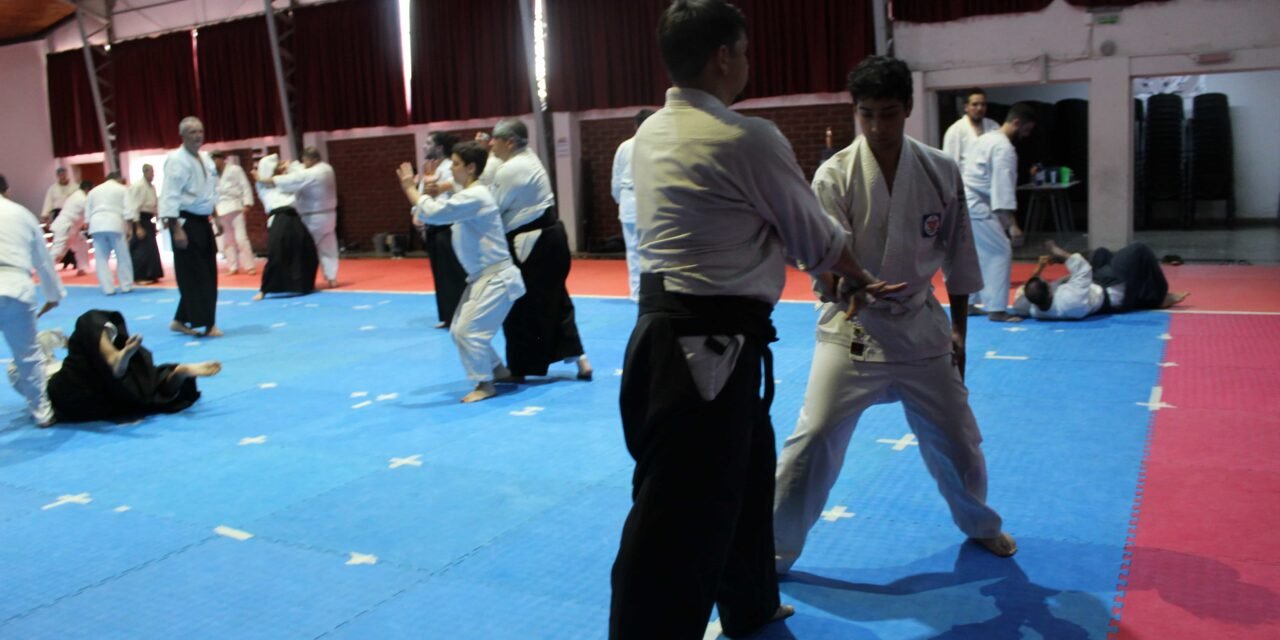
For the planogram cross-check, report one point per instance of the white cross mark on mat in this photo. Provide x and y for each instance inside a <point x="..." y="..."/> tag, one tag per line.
<point x="368" y="327"/>
<point x="122" y="508"/>
<point x="617" y="372"/>
<point x="527" y="411"/>
<point x="362" y="558"/>
<point x="363" y="306"/>
<point x="387" y="396"/>
<point x="279" y="325"/>
<point x="991" y="355"/>
<point x="267" y="385"/>
<point x="234" y="534"/>
<point x="414" y="460"/>
<point x="1015" y="329"/>
<point x="193" y="343"/>
<point x="144" y="317"/>
<point x="1166" y="336"/>
<point x="1154" y="403"/>
<point x="1168" y="364"/>
<point x="361" y="405"/>
<point x="359" y="394"/>
<point x="253" y="440"/>
<point x="79" y="498"/>
<point x="836" y="513"/>
<point x="908" y="440"/>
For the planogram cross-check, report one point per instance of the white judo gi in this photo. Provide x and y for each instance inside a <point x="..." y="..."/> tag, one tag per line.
<point x="624" y="193"/>
<point x="22" y="249"/>
<point x="899" y="349"/>
<point x="106" y="214"/>
<point x="235" y="196"/>
<point x="990" y="175"/>
<point x="1074" y="297"/>
<point x="493" y="280"/>
<point x="961" y="136"/>
<point x="317" y="204"/>
<point x="55" y="197"/>
<point x="67" y="230"/>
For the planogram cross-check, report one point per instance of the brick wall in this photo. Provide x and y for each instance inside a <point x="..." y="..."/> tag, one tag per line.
<point x="804" y="126"/>
<point x="369" y="197"/>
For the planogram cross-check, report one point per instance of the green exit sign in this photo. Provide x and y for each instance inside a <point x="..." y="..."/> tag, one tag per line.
<point x="1106" y="18"/>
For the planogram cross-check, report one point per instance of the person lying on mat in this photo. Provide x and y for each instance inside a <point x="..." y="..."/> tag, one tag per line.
<point x="108" y="374"/>
<point x="1127" y="280"/>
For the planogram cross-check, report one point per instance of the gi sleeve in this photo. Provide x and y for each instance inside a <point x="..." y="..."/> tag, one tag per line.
<point x="295" y="180"/>
<point x="621" y="167"/>
<point x="951" y="143"/>
<point x="133" y="202"/>
<point x="176" y="176"/>
<point x="455" y="209"/>
<point x="246" y="190"/>
<point x="1004" y="178"/>
<point x="960" y="268"/>
<point x="1081" y="272"/>
<point x="50" y="283"/>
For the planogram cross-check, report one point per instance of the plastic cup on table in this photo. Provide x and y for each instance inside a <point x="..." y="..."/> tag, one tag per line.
<point x="1064" y="174"/>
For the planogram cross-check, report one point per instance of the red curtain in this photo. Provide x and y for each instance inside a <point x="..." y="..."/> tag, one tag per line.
<point x="805" y="46"/>
<point x="238" y="94"/>
<point x="604" y="54"/>
<point x="72" y="119"/>
<point x="348" y="66"/>
<point x="155" y="87"/>
<point x="946" y="10"/>
<point x="468" y="60"/>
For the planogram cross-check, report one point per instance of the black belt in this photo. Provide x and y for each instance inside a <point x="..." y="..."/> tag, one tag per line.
<point x="691" y="315"/>
<point x="544" y="221"/>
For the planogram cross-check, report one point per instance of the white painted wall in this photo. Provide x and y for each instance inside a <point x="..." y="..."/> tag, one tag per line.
<point x="27" y="161"/>
<point x="1060" y="44"/>
<point x="1254" y="97"/>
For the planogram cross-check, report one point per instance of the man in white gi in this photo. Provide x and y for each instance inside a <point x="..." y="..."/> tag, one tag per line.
<point x="721" y="207"/>
<point x="493" y="281"/>
<point x="68" y="229"/>
<point x="990" y="175"/>
<point x="313" y="182"/>
<point x="22" y="250"/>
<point x="1127" y="280"/>
<point x="903" y="201"/>
<point x="624" y="193"/>
<point x="54" y="199"/>
<point x="111" y="231"/>
<point x="186" y="207"/>
<point x="141" y="205"/>
<point x="235" y="201"/>
<point x="963" y="133"/>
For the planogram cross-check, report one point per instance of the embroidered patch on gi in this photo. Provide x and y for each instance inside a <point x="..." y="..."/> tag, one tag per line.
<point x="930" y="224"/>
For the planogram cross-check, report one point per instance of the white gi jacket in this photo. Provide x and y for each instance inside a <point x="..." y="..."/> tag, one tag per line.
<point x="990" y="175"/>
<point x="478" y="237"/>
<point x="234" y="191"/>
<point x="960" y="137"/>
<point x="22" y="250"/>
<point x="905" y="237"/>
<point x="56" y="196"/>
<point x="622" y="186"/>
<point x="190" y="184"/>
<point x="1074" y="297"/>
<point x="72" y="215"/>
<point x="105" y="208"/>
<point x="141" y="197"/>
<point x="315" y="187"/>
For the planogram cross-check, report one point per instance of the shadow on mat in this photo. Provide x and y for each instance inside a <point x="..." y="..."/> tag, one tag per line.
<point x="1205" y="587"/>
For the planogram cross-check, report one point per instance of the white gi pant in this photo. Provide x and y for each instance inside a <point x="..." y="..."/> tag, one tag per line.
<point x="104" y="243"/>
<point x="323" y="227"/>
<point x="65" y="237"/>
<point x="18" y="322"/>
<point x="995" y="256"/>
<point x="234" y="242"/>
<point x="485" y="304"/>
<point x="630" y="239"/>
<point x="840" y="389"/>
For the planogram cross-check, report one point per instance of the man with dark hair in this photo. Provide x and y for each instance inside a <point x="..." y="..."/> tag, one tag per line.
<point x="540" y="330"/>
<point x="68" y="228"/>
<point x="493" y="281"/>
<point x="313" y="183"/>
<point x="622" y="186"/>
<point x="904" y="203"/>
<point x="721" y="207"/>
<point x="187" y="203"/>
<point x="1127" y="280"/>
<point x="990" y="175"/>
<point x="111" y="228"/>
<point x="436" y="180"/>
<point x="22" y="251"/>
<point x="963" y="133"/>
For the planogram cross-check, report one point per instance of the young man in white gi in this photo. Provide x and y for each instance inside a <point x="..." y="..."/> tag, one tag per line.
<point x="903" y="202"/>
<point x="111" y="230"/>
<point x="623" y="188"/>
<point x="963" y="133"/>
<point x="493" y="281"/>
<point x="67" y="229"/>
<point x="990" y="174"/>
<point x="721" y="207"/>
<point x="315" y="185"/>
<point x="235" y="201"/>
<point x="22" y="250"/>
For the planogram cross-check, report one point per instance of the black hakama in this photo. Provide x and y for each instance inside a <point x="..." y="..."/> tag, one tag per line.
<point x="85" y="388"/>
<point x="540" y="329"/>
<point x="291" y="255"/>
<point x="1138" y="268"/>
<point x="145" y="251"/>
<point x="196" y="269"/>
<point x="449" y="276"/>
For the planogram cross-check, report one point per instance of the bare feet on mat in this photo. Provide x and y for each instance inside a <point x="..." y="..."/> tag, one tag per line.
<point x="182" y="328"/>
<point x="213" y="332"/>
<point x="251" y="271"/>
<point x="483" y="391"/>
<point x="784" y="611"/>
<point x="1001" y="316"/>
<point x="441" y="325"/>
<point x="502" y="374"/>
<point x="585" y="371"/>
<point x="258" y="296"/>
<point x="1001" y="545"/>
<point x="1174" y="297"/>
<point x="232" y="272"/>
<point x="199" y="369"/>
<point x="333" y="284"/>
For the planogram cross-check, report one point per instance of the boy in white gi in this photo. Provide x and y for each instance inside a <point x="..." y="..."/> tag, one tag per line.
<point x="22" y="250"/>
<point x="493" y="281"/>
<point x="111" y="228"/>
<point x="904" y="204"/>
<point x="990" y="174"/>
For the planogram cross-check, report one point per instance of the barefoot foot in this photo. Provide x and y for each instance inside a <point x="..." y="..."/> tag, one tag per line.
<point x="483" y="391"/>
<point x="1174" y="297"/>
<point x="200" y="369"/>
<point x="258" y="296"/>
<point x="585" y="371"/>
<point x="182" y="328"/>
<point x="213" y="332"/>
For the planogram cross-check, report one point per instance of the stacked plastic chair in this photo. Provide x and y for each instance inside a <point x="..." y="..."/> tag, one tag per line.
<point x="1210" y="159"/>
<point x="1164" y="152"/>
